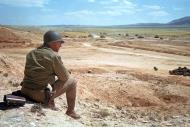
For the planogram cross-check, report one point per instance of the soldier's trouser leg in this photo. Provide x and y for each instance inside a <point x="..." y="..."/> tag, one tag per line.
<point x="70" y="88"/>
<point x="59" y="86"/>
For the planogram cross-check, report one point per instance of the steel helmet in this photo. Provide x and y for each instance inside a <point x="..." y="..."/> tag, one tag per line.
<point x="52" y="36"/>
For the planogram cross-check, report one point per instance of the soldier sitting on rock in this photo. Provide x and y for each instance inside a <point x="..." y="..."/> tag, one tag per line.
<point x="42" y="66"/>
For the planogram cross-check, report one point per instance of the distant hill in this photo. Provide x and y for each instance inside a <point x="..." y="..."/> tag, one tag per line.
<point x="181" y="21"/>
<point x="146" y="25"/>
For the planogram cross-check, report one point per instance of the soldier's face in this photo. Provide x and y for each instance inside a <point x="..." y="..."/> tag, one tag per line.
<point x="56" y="46"/>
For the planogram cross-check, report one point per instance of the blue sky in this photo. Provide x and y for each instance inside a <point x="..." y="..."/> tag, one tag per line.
<point x="91" y="12"/>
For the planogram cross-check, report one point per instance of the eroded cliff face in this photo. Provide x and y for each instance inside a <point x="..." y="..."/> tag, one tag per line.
<point x="9" y="38"/>
<point x="11" y="72"/>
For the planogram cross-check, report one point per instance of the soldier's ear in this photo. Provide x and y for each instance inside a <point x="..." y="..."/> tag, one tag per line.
<point x="51" y="45"/>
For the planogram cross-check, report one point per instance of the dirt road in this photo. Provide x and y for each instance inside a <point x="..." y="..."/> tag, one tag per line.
<point x="89" y="54"/>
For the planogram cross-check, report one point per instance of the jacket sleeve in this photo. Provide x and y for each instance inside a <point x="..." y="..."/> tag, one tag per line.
<point x="59" y="69"/>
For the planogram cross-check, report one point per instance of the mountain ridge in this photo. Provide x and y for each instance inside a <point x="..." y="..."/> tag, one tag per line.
<point x="180" y="22"/>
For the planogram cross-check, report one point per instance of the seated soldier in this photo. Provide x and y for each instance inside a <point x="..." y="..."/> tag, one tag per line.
<point x="42" y="66"/>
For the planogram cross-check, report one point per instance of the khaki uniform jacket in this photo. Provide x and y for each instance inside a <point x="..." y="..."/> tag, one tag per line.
<point x="42" y="65"/>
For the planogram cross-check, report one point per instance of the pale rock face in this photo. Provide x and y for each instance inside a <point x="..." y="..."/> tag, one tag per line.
<point x="10" y="38"/>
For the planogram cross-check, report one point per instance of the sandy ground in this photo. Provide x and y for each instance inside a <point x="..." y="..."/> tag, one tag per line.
<point x="117" y="85"/>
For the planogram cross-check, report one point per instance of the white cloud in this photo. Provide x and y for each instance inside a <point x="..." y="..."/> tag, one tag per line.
<point x="126" y="2"/>
<point x="25" y="3"/>
<point x="81" y="13"/>
<point x="47" y="10"/>
<point x="114" y="0"/>
<point x="121" y="9"/>
<point x="110" y="8"/>
<point x="110" y="13"/>
<point x="91" y="1"/>
<point x="118" y="7"/>
<point x="153" y="7"/>
<point x="107" y="2"/>
<point x="159" y="13"/>
<point x="154" y="10"/>
<point x="177" y="9"/>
